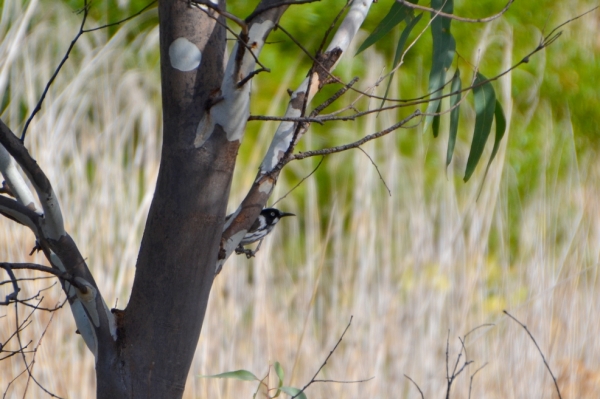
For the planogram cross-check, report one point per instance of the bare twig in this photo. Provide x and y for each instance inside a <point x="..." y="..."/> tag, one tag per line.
<point x="456" y="17"/>
<point x="239" y="38"/>
<point x="345" y="147"/>
<point x="312" y="380"/>
<point x="301" y="181"/>
<point x="240" y="22"/>
<point x="416" y="385"/>
<point x="12" y="296"/>
<point x="38" y="106"/>
<point x="539" y="350"/>
<point x="81" y="31"/>
<point x="377" y="169"/>
<point x="261" y="10"/>
<point x="33" y="266"/>
<point x="473" y="376"/>
<point x="123" y="20"/>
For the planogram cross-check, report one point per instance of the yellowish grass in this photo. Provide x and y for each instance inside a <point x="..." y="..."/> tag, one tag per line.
<point x="412" y="269"/>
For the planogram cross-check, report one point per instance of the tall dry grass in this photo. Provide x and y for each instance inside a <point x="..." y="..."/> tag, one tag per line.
<point x="428" y="263"/>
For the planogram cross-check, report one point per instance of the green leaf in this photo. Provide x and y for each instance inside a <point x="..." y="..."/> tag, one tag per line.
<point x="400" y="49"/>
<point x="444" y="47"/>
<point x="435" y="125"/>
<point x="280" y="375"/>
<point x="294" y="391"/>
<point x="454" y="99"/>
<point x="485" y="106"/>
<point x="243" y="375"/>
<point x="397" y="14"/>
<point x="500" y="129"/>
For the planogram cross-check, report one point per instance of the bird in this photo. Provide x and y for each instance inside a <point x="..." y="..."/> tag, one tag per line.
<point x="262" y="226"/>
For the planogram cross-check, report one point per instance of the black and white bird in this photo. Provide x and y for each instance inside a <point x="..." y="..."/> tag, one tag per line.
<point x="263" y="225"/>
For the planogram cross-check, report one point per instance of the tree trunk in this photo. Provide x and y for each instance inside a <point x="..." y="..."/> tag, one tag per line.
<point x="161" y="325"/>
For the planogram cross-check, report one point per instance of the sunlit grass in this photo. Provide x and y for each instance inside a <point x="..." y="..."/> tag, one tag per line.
<point x="430" y="261"/>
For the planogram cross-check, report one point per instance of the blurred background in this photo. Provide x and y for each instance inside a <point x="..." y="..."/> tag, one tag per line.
<point x="417" y="267"/>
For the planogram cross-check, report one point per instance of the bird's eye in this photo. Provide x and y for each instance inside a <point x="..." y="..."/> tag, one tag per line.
<point x="273" y="214"/>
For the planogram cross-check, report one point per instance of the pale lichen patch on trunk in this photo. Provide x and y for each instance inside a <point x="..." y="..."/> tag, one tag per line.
<point x="184" y="55"/>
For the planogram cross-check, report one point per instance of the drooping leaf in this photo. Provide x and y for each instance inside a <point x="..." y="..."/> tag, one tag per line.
<point x="243" y="375"/>
<point x="435" y="125"/>
<point x="485" y="106"/>
<point x="294" y="391"/>
<point x="280" y="375"/>
<point x="397" y="14"/>
<point x="500" y="129"/>
<point x="454" y="98"/>
<point x="400" y="49"/>
<point x="444" y="47"/>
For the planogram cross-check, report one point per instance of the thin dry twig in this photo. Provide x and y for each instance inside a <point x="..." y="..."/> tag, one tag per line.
<point x="539" y="350"/>
<point x="473" y="376"/>
<point x="312" y="380"/>
<point x="261" y="10"/>
<point x="38" y="106"/>
<point x="301" y="181"/>
<point x="377" y="169"/>
<point x="124" y="19"/>
<point x="416" y="385"/>
<point x="33" y="266"/>
<point x="345" y="147"/>
<point x="456" y="17"/>
<point x="85" y="10"/>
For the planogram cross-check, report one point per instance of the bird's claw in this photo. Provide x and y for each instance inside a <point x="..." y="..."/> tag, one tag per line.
<point x="248" y="252"/>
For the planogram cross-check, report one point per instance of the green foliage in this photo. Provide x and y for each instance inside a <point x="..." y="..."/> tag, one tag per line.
<point x="485" y="107"/>
<point x="398" y="13"/>
<point x="242" y="375"/>
<point x="454" y="114"/>
<point x="444" y="48"/>
<point x="245" y="375"/>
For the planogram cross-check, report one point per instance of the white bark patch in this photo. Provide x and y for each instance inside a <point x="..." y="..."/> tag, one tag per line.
<point x="15" y="180"/>
<point x="88" y="300"/>
<point x="53" y="225"/>
<point x="112" y="324"/>
<point x="233" y="241"/>
<point x="265" y="187"/>
<point x="283" y="135"/>
<point x="184" y="55"/>
<point x="232" y="112"/>
<point x="350" y="25"/>
<point x="57" y="262"/>
<point x="204" y="130"/>
<point x="229" y="218"/>
<point x="84" y="326"/>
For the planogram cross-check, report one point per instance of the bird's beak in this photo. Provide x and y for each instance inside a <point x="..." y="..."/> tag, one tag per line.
<point x="287" y="214"/>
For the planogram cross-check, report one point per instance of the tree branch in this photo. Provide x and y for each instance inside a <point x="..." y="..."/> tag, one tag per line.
<point x="34" y="266"/>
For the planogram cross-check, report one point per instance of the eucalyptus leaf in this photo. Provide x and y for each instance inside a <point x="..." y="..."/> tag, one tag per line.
<point x="435" y="125"/>
<point x="280" y="375"/>
<point x="397" y="14"/>
<point x="454" y="113"/>
<point x="485" y="107"/>
<point x="400" y="50"/>
<point x="444" y="48"/>
<point x="294" y="391"/>
<point x="243" y="375"/>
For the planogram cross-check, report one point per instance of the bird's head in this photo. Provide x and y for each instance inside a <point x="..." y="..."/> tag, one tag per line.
<point x="272" y="215"/>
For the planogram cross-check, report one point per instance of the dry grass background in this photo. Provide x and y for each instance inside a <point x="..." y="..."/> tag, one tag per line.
<point x="412" y="268"/>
